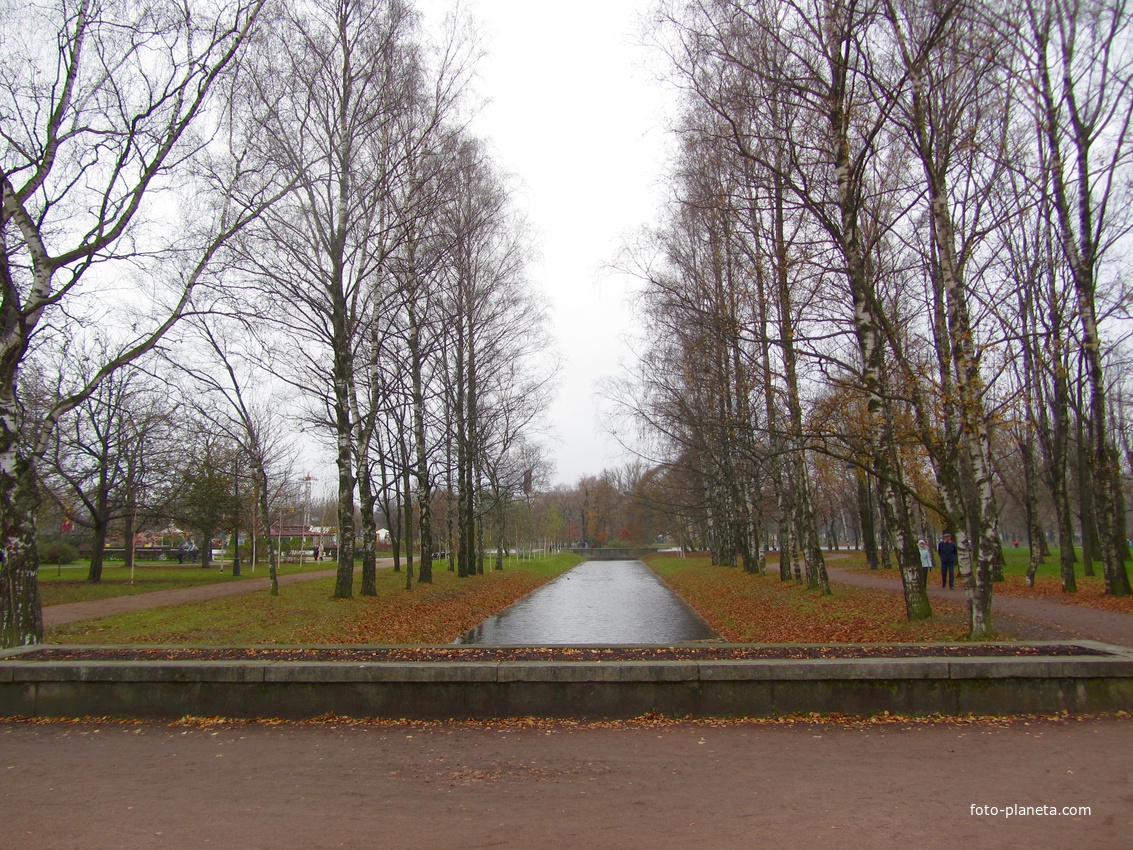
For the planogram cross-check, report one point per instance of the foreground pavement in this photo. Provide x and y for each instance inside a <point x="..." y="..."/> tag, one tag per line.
<point x="669" y="785"/>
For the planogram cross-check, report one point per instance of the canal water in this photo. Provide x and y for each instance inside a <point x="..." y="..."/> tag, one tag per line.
<point x="597" y="602"/>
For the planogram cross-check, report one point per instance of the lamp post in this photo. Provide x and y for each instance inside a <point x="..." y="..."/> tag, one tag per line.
<point x="306" y="519"/>
<point x="235" y="518"/>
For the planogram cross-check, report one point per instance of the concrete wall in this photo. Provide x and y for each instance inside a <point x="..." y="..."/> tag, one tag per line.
<point x="468" y="689"/>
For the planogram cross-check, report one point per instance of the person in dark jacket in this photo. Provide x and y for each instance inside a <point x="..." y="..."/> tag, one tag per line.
<point x="948" y="556"/>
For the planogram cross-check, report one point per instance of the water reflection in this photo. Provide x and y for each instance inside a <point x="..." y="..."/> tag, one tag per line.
<point x="597" y="602"/>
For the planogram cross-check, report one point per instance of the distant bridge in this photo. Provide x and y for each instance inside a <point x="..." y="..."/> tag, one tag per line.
<point x="628" y="554"/>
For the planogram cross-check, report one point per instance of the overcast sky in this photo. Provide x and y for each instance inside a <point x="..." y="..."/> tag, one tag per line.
<point x="573" y="113"/>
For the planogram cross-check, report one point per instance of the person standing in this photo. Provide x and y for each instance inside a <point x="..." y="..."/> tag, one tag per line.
<point x="926" y="560"/>
<point x="946" y="548"/>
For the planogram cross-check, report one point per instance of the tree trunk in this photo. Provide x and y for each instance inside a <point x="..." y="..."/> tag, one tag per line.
<point x="501" y="528"/>
<point x="1031" y="392"/>
<point x="1031" y="501"/>
<point x="480" y="538"/>
<point x="382" y="492"/>
<point x="1059" y="451"/>
<point x="977" y="586"/>
<point x="809" y="543"/>
<point x="424" y="485"/>
<point x="865" y="517"/>
<point x="21" y="617"/>
<point x="273" y="558"/>
<point x="367" y="497"/>
<point x="98" y="546"/>
<point x="407" y="499"/>
<point x="395" y="534"/>
<point x="131" y="523"/>
<point x="767" y="386"/>
<point x="367" y="503"/>
<point x="464" y="530"/>
<point x="1087" y="498"/>
<point x="344" y="431"/>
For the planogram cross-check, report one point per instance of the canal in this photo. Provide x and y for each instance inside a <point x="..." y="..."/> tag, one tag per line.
<point x="597" y="602"/>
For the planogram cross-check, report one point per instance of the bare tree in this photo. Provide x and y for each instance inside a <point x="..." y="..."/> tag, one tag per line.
<point x="1079" y="67"/>
<point x="356" y="106"/>
<point x="490" y="327"/>
<point x="232" y="393"/>
<point x="333" y="79"/>
<point x="105" y="457"/>
<point x="88" y="157"/>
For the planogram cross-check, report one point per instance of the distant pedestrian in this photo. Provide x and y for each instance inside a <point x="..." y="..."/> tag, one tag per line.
<point x="926" y="560"/>
<point x="946" y="548"/>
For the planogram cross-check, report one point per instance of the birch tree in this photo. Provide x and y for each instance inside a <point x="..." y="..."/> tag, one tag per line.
<point x="334" y="80"/>
<point x="1080" y="66"/>
<point x="108" y="108"/>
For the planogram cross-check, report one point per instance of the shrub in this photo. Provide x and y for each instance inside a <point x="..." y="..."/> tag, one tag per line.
<point x="57" y="553"/>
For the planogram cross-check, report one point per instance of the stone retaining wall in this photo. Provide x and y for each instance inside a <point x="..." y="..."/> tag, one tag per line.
<point x="620" y="689"/>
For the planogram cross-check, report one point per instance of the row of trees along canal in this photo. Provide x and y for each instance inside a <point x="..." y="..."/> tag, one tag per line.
<point x="895" y="250"/>
<point x="199" y="196"/>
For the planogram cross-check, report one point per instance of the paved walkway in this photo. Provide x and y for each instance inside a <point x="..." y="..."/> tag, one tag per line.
<point x="1032" y="618"/>
<point x="660" y="786"/>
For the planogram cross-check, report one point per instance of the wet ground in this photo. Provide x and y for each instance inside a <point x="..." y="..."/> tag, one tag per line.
<point x="597" y="602"/>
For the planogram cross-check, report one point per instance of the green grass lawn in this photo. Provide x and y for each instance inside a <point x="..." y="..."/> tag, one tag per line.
<point x="306" y="613"/>
<point x="1016" y="562"/>
<point x="59" y="585"/>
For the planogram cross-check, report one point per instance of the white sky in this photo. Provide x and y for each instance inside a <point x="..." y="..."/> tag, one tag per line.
<point x="572" y="111"/>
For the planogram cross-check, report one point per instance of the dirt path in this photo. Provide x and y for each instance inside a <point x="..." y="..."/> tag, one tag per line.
<point x="1035" y="619"/>
<point x="661" y="787"/>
